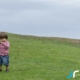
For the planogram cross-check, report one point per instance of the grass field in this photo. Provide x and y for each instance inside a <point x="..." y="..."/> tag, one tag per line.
<point x="36" y="58"/>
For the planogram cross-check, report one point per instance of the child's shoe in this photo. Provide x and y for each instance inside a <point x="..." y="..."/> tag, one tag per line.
<point x="0" y="70"/>
<point x="7" y="70"/>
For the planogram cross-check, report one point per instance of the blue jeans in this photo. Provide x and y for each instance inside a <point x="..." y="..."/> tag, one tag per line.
<point x="4" y="60"/>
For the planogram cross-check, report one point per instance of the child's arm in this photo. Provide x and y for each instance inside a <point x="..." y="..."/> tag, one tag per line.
<point x="6" y="44"/>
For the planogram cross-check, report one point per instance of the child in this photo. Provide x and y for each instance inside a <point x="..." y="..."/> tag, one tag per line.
<point x="4" y="51"/>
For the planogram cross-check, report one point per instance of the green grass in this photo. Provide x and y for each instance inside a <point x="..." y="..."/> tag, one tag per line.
<point x="36" y="58"/>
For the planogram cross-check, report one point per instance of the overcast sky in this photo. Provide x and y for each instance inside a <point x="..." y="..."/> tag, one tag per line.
<point x="57" y="18"/>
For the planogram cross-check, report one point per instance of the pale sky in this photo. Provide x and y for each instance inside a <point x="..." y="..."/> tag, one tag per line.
<point x="55" y="18"/>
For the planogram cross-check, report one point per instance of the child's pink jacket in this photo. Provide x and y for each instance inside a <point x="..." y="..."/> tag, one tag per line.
<point x="4" y="48"/>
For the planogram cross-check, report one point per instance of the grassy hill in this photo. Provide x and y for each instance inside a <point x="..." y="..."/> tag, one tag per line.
<point x="42" y="58"/>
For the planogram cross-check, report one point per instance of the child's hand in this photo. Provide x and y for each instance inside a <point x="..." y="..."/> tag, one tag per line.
<point x="1" y="42"/>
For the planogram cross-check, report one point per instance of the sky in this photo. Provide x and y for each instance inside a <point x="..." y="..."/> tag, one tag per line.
<point x="52" y="18"/>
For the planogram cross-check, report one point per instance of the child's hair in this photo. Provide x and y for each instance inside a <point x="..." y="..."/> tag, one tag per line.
<point x="3" y="35"/>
